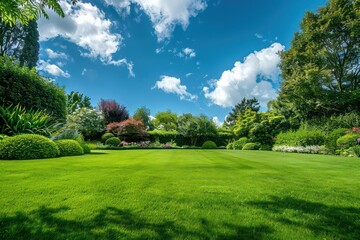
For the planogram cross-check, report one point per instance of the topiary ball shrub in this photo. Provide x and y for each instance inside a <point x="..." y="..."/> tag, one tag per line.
<point x="251" y="146"/>
<point x="239" y="144"/>
<point x="209" y="145"/>
<point x="85" y="148"/>
<point x="28" y="146"/>
<point x="69" y="147"/>
<point x="113" y="141"/>
<point x="106" y="136"/>
<point x="81" y="141"/>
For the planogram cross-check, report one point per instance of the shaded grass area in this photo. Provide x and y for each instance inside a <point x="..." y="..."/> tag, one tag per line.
<point x="181" y="194"/>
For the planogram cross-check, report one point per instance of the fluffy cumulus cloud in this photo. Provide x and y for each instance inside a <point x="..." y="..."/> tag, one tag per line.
<point x="164" y="14"/>
<point x="254" y="77"/>
<point x="173" y="85"/>
<point x="217" y="121"/>
<point x="85" y="25"/>
<point x="52" y="54"/>
<point x="52" y="69"/>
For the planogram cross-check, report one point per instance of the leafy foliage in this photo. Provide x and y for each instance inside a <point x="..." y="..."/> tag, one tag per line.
<point x="88" y="121"/>
<point x="348" y="140"/>
<point x="26" y="87"/>
<point x="167" y="121"/>
<point x="240" y="143"/>
<point x="28" y="146"/>
<point x="129" y="130"/>
<point x="113" y="111"/>
<point x="356" y="150"/>
<point x="113" y="141"/>
<point x="106" y="136"/>
<point x="209" y="145"/>
<point x="321" y="70"/>
<point x="332" y="137"/>
<point x="16" y="120"/>
<point x="143" y="114"/>
<point x="302" y="137"/>
<point x="77" y="100"/>
<point x="69" y="147"/>
<point x="240" y="108"/>
<point x="251" y="146"/>
<point x="22" y="11"/>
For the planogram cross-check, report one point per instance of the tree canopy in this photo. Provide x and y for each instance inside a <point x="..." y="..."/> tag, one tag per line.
<point x="321" y="70"/>
<point x="240" y="108"/>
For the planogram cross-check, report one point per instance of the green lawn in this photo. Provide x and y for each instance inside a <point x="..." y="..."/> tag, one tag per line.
<point x="181" y="194"/>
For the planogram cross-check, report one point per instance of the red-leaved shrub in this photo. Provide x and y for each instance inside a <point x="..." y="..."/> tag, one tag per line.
<point x="129" y="130"/>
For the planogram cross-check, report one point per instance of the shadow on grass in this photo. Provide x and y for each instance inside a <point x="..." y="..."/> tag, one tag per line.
<point x="96" y="153"/>
<point x="113" y="223"/>
<point x="339" y="222"/>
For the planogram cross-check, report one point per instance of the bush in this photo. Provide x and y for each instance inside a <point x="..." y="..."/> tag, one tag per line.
<point x="331" y="138"/>
<point x="28" y="146"/>
<point x="29" y="89"/>
<point x="106" y="136"/>
<point x="209" y="145"/>
<point x="65" y="134"/>
<point x="348" y="140"/>
<point x="356" y="150"/>
<point x="251" y="146"/>
<point x="239" y="144"/>
<point x="113" y="141"/>
<point x="301" y="149"/>
<point x="302" y="137"/>
<point x="81" y="141"/>
<point x="69" y="147"/>
<point x="3" y="136"/>
<point x="230" y="146"/>
<point x="265" y="147"/>
<point x="130" y="130"/>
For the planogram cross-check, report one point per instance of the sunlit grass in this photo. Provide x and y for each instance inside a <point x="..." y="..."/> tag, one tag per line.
<point x="181" y="194"/>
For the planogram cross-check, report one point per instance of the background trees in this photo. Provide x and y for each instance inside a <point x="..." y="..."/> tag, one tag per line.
<point x="113" y="111"/>
<point x="240" y="108"/>
<point x="143" y="114"/>
<point x="321" y="70"/>
<point x="77" y="100"/>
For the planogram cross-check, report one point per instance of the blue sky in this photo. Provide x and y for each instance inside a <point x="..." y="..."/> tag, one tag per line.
<point x="192" y="56"/>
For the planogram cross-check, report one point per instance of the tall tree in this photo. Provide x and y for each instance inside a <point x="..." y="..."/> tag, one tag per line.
<point x="30" y="52"/>
<point x="321" y="70"/>
<point x="166" y="120"/>
<point x="143" y="114"/>
<point x="113" y="111"/>
<point x="240" y="108"/>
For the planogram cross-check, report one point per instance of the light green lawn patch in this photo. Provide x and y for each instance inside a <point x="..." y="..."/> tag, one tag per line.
<point x="181" y="194"/>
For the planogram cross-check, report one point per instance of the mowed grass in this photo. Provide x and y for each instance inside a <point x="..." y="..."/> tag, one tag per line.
<point x="181" y="194"/>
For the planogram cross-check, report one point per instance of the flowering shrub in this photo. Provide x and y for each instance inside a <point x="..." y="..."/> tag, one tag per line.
<point x="88" y="121"/>
<point x="301" y="149"/>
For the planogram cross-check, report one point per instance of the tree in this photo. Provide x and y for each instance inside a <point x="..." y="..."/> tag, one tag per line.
<point x="240" y="108"/>
<point x="321" y="70"/>
<point x="129" y="130"/>
<point x="23" y="11"/>
<point x="20" y="42"/>
<point x="77" y="100"/>
<point x="143" y="114"/>
<point x="113" y="111"/>
<point x="166" y="120"/>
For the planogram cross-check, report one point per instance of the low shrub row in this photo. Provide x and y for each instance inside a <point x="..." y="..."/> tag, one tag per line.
<point x="33" y="146"/>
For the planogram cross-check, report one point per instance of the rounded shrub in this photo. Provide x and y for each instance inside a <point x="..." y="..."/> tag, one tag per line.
<point x="348" y="140"/>
<point x="331" y="138"/>
<point x="251" y="146"/>
<point x="69" y="147"/>
<point x="229" y="146"/>
<point x="28" y="146"/>
<point x="209" y="145"/>
<point x="239" y="144"/>
<point x="106" y="136"/>
<point x="113" y="141"/>
<point x="81" y="141"/>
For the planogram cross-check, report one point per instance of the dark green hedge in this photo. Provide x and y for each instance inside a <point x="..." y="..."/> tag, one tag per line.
<point x="27" y="87"/>
<point x="27" y="146"/>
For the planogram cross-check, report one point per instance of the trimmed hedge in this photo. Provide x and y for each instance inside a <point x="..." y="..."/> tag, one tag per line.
<point x="251" y="146"/>
<point x="113" y="141"/>
<point x="28" y="146"/>
<point x="209" y="145"/>
<point x="348" y="140"/>
<point x="32" y="91"/>
<point x="239" y="144"/>
<point x="69" y="147"/>
<point x="302" y="137"/>
<point x="106" y="136"/>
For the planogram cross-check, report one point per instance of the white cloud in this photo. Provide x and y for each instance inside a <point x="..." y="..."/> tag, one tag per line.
<point x="52" y="69"/>
<point x="173" y="85"/>
<point x="83" y="71"/>
<point x="164" y="14"/>
<point x="86" y="26"/>
<point x="188" y="52"/>
<point x="53" y="54"/>
<point x="252" y="78"/>
<point x="188" y="74"/>
<point x="258" y="35"/>
<point x="217" y="121"/>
